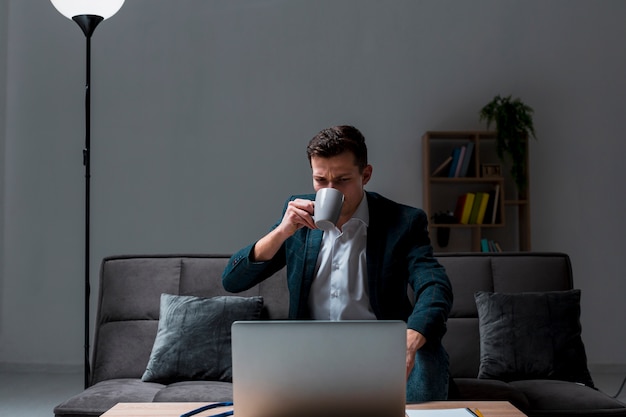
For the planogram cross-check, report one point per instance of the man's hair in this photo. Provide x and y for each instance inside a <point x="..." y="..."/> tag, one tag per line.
<point x="337" y="140"/>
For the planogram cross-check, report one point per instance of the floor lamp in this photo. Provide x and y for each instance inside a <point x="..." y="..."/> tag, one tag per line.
<point x="87" y="14"/>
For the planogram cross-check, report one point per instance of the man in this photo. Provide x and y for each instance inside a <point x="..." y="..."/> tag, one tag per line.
<point x="361" y="269"/>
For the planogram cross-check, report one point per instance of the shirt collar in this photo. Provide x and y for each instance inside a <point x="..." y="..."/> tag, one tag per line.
<point x="362" y="212"/>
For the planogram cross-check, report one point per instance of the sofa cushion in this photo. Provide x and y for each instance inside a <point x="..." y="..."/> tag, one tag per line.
<point x="463" y="347"/>
<point x="196" y="391"/>
<point x="193" y="339"/>
<point x="533" y="335"/>
<point x="472" y="389"/>
<point x="557" y="398"/>
<point x="100" y="397"/>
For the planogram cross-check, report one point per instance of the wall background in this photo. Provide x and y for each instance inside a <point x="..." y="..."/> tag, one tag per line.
<point x="201" y="111"/>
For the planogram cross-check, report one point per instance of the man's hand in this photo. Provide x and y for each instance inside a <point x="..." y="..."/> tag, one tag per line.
<point x="414" y="341"/>
<point x="297" y="215"/>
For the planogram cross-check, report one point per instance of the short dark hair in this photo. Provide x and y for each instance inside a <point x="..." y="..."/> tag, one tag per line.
<point x="337" y="140"/>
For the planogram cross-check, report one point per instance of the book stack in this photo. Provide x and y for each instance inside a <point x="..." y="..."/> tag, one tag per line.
<point x="457" y="164"/>
<point x="488" y="245"/>
<point x="478" y="208"/>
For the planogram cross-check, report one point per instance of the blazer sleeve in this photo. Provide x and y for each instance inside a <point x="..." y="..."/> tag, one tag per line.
<point x="241" y="273"/>
<point x="430" y="283"/>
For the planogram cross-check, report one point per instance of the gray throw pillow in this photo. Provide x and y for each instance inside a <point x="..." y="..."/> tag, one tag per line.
<point x="533" y="335"/>
<point x="193" y="339"/>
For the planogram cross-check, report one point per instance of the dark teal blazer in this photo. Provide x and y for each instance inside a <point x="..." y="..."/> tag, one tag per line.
<point x="399" y="254"/>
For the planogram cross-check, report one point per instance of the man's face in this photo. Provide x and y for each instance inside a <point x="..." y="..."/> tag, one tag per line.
<point x="342" y="173"/>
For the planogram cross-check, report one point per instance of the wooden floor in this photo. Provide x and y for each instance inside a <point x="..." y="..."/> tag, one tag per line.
<point x="35" y="394"/>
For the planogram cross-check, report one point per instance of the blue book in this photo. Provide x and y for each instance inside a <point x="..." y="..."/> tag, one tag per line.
<point x="455" y="161"/>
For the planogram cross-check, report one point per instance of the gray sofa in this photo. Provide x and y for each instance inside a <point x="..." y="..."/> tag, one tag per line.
<point x="128" y="318"/>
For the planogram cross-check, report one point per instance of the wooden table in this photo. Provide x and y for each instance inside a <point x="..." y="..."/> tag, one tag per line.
<point x="487" y="408"/>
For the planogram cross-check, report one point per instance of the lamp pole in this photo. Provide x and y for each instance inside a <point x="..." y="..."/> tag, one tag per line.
<point x="88" y="16"/>
<point x="88" y="24"/>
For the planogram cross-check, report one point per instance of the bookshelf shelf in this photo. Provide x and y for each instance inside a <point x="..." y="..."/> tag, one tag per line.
<point x="466" y="180"/>
<point x="479" y="171"/>
<point x="464" y="226"/>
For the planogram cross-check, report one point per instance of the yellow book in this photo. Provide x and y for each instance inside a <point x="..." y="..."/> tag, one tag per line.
<point x="474" y="213"/>
<point x="467" y="208"/>
<point x="482" y="208"/>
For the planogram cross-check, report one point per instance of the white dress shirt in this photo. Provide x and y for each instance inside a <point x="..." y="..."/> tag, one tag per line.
<point x="340" y="290"/>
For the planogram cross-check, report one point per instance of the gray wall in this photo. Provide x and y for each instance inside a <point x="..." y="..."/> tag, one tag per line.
<point x="3" y="85"/>
<point x="201" y="111"/>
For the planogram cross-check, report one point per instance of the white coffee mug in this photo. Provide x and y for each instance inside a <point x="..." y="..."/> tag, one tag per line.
<point x="328" y="203"/>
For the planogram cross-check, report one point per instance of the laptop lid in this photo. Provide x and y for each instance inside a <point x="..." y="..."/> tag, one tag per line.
<point x="319" y="368"/>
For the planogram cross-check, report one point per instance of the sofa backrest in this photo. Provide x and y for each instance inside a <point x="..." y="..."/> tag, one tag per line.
<point x="494" y="272"/>
<point x="131" y="286"/>
<point x="129" y="302"/>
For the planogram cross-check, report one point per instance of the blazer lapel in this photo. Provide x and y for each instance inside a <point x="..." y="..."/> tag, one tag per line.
<point x="308" y="259"/>
<point x="375" y="249"/>
<point x="312" y="249"/>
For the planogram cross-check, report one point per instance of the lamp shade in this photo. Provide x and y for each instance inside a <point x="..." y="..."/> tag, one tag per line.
<point x="102" y="8"/>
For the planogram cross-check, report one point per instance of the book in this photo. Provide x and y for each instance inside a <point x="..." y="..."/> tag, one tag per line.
<point x="496" y="204"/>
<point x="490" y="206"/>
<point x="482" y="209"/>
<point x="469" y="148"/>
<point x="441" y="166"/>
<point x="475" y="207"/>
<point x="456" y="153"/>
<point x="489" y="245"/>
<point x="459" y="163"/>
<point x="460" y="204"/>
<point x="467" y="208"/>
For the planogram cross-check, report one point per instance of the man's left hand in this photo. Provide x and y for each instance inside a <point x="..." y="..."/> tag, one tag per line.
<point x="414" y="341"/>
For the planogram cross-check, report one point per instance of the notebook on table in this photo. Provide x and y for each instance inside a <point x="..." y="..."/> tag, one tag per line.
<point x="319" y="368"/>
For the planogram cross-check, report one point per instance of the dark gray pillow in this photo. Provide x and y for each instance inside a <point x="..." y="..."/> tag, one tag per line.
<point x="193" y="339"/>
<point x="533" y="335"/>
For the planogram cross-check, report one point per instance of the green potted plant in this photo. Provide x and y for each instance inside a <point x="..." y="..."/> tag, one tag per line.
<point x="514" y="125"/>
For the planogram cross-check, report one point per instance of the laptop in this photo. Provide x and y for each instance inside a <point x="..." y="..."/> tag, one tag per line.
<point x="319" y="368"/>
